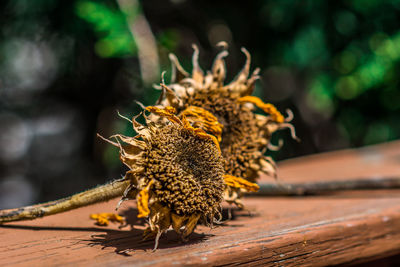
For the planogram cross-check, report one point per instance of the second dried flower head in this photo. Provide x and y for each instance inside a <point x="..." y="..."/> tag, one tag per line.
<point x="245" y="135"/>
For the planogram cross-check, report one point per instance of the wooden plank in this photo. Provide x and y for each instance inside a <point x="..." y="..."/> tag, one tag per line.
<point x="344" y="227"/>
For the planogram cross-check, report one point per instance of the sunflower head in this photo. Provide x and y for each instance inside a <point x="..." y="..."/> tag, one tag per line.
<point x="245" y="136"/>
<point x="175" y="170"/>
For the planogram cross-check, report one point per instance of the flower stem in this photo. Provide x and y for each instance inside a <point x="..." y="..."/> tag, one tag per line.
<point x="315" y="188"/>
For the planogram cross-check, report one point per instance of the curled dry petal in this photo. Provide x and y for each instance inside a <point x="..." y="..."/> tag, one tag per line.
<point x="238" y="182"/>
<point x="204" y="119"/>
<point x="166" y="112"/>
<point x="143" y="201"/>
<point x="104" y="219"/>
<point x="266" y="107"/>
<point x="197" y="72"/>
<point x="178" y="73"/>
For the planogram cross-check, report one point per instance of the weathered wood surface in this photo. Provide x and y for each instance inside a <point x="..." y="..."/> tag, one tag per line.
<point x="344" y="227"/>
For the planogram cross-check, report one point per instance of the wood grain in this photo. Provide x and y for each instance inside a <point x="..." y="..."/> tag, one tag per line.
<point x="345" y="227"/>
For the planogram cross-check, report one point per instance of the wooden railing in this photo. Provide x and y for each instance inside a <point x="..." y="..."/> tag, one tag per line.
<point x="326" y="229"/>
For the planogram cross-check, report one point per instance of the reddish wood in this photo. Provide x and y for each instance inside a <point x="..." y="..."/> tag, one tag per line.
<point x="344" y="227"/>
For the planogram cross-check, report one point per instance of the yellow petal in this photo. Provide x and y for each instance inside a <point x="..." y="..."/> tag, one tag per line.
<point x="237" y="182"/>
<point x="167" y="112"/>
<point x="103" y="219"/>
<point x="266" y="107"/>
<point x="199" y="132"/>
<point x="208" y="121"/>
<point x="143" y="201"/>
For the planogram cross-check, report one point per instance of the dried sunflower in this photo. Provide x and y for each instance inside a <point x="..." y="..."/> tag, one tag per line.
<point x="176" y="174"/>
<point x="245" y="135"/>
<point x="176" y="170"/>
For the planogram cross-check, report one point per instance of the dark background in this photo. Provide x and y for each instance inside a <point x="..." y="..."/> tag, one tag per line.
<point x="66" y="67"/>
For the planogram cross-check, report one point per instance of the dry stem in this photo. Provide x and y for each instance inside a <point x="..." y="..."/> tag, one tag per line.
<point x="98" y="194"/>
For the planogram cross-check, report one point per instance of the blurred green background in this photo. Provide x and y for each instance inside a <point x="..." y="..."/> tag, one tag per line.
<point x="66" y="67"/>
